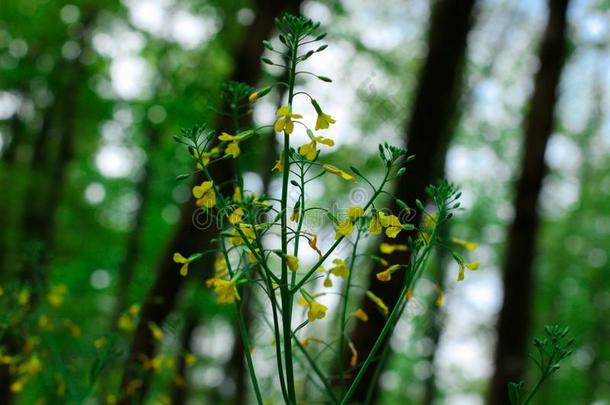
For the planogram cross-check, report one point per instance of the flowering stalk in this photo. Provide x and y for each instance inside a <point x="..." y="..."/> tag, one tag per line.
<point x="245" y="254"/>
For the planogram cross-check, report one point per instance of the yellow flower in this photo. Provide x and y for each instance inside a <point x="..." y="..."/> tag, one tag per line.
<point x="284" y="122"/>
<point x="360" y="314"/>
<point x="409" y="294"/>
<point x="237" y="196"/>
<point x="30" y="367"/>
<point x="375" y="225"/>
<point x="125" y="323"/>
<point x="23" y="298"/>
<point x="354" y="360"/>
<point x="190" y="359"/>
<point x="232" y="149"/>
<point x="8" y="360"/>
<point x="233" y="146"/>
<point x="386" y="275"/>
<point x="316" y="311"/>
<point x="327" y="281"/>
<point x="391" y="223"/>
<point x="226" y="291"/>
<point x="220" y="265"/>
<point x="100" y="342"/>
<point x="309" y="150"/>
<point x="225" y="137"/>
<point x="379" y="302"/>
<point x="57" y="294"/>
<point x="336" y="171"/>
<point x="324" y="120"/>
<point x="205" y="156"/>
<point x="279" y="164"/>
<point x="155" y="331"/>
<point x="468" y="245"/>
<point x="470" y="266"/>
<point x="340" y="269"/>
<point x="355" y="212"/>
<point x="205" y="194"/>
<point x="388" y="248"/>
<point x="246" y="229"/>
<point x="184" y="269"/>
<point x="134" y="310"/>
<point x="236" y="216"/>
<point x="345" y="228"/>
<point x="293" y="263"/>
<point x="17" y="385"/>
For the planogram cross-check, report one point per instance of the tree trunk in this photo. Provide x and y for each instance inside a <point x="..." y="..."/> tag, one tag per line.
<point x="163" y="294"/>
<point x="515" y="315"/>
<point x="427" y="133"/>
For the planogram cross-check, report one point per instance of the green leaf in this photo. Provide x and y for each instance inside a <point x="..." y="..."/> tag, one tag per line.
<point x="514" y="392"/>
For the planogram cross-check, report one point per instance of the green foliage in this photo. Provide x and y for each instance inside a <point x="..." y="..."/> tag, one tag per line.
<point x="550" y="351"/>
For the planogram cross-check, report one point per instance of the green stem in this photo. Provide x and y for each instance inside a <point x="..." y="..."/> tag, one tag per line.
<point x="246" y="340"/>
<point x="285" y="292"/>
<point x="243" y="330"/>
<point x="543" y="377"/>
<point x="394" y="315"/>
<point x="344" y="310"/>
<point x="317" y="371"/>
<point x="380" y="339"/>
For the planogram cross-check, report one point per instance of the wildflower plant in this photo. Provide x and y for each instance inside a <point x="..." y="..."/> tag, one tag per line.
<point x="550" y="351"/>
<point x="248" y="263"/>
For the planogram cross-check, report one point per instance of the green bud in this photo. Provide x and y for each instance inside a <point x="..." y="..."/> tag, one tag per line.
<point x="268" y="61"/>
<point x="325" y="79"/>
<point x="353" y="169"/>
<point x="268" y="45"/>
<point x="403" y="205"/>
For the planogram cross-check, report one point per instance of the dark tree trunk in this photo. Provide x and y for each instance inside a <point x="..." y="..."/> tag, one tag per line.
<point x="427" y="133"/>
<point x="436" y="315"/>
<point x="163" y="294"/>
<point x="515" y="315"/>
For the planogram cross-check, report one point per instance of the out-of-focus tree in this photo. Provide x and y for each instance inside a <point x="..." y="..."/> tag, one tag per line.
<point x="163" y="294"/>
<point x="515" y="316"/>
<point x="428" y="133"/>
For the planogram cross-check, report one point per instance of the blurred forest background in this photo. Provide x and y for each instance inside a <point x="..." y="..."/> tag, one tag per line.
<point x="509" y="99"/>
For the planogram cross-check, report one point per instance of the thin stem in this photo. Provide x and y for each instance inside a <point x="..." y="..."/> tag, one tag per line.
<point x="344" y="309"/>
<point x="285" y="292"/>
<point x="394" y="315"/>
<point x="246" y="340"/>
